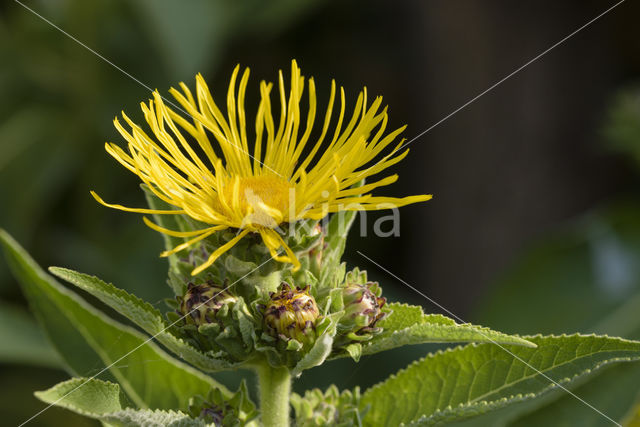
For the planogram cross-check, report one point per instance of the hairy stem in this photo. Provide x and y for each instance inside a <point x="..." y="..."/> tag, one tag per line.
<point x="275" y="388"/>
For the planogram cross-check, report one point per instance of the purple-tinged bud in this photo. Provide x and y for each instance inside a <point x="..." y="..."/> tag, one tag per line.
<point x="363" y="308"/>
<point x="202" y="303"/>
<point x="292" y="313"/>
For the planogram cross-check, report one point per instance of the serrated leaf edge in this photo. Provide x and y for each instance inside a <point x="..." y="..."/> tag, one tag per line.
<point x="556" y="384"/>
<point x="159" y="331"/>
<point x="551" y="386"/>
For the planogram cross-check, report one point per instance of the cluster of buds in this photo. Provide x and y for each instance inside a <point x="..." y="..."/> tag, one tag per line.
<point x="217" y="409"/>
<point x="292" y="314"/>
<point x="363" y="309"/>
<point x="204" y="302"/>
<point x="333" y="408"/>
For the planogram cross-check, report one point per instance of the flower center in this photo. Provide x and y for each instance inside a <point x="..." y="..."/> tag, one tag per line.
<point x="262" y="201"/>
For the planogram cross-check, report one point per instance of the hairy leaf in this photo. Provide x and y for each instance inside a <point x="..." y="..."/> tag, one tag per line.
<point x="86" y="396"/>
<point x="78" y="356"/>
<point x="102" y="400"/>
<point x="321" y="348"/>
<point x="150" y="376"/>
<point x="468" y="381"/>
<point x="146" y="417"/>
<point x="408" y="324"/>
<point x="143" y="314"/>
<point x="623" y="378"/>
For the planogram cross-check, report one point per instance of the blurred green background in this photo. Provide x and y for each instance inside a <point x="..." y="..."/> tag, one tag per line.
<point x="535" y="224"/>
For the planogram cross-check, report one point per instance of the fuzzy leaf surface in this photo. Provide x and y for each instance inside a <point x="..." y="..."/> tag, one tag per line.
<point x="143" y="314"/>
<point x="150" y="377"/>
<point x="408" y="324"/>
<point x="466" y="382"/>
<point x="102" y="401"/>
<point x="612" y="391"/>
<point x="146" y="418"/>
<point x="85" y="396"/>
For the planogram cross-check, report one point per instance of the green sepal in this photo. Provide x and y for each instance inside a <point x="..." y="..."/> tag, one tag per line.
<point x="355" y="337"/>
<point x="294" y="345"/>
<point x="357" y="276"/>
<point x="232" y="332"/>
<point x="354" y="350"/>
<point x="321" y="349"/>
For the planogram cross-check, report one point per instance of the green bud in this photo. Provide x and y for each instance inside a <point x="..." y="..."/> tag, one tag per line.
<point x="362" y="306"/>
<point x="292" y="313"/>
<point x="202" y="303"/>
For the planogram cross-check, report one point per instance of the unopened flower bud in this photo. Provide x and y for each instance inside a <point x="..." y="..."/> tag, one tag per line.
<point x="362" y="305"/>
<point x="202" y="303"/>
<point x="213" y="414"/>
<point x="330" y="408"/>
<point x="292" y="313"/>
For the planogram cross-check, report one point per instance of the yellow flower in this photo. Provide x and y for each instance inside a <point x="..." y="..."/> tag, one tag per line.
<point x="226" y="187"/>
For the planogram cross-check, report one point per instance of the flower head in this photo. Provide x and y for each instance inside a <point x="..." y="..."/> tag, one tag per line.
<point x="281" y="179"/>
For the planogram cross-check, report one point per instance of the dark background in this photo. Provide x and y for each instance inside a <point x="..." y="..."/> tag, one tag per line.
<point x="533" y="224"/>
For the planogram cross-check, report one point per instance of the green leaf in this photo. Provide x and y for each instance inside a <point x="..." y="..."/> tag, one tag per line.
<point x="145" y="418"/>
<point x="569" y="411"/>
<point x="150" y="376"/>
<point x="79" y="358"/>
<point x="322" y="347"/>
<point x="468" y="381"/>
<point x="85" y="396"/>
<point x="143" y="314"/>
<point x="329" y="408"/>
<point x="22" y="340"/>
<point x="102" y="400"/>
<point x="408" y="324"/>
<point x="138" y="311"/>
<point x="316" y="356"/>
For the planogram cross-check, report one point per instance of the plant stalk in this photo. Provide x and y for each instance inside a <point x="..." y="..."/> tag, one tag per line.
<point x="275" y="390"/>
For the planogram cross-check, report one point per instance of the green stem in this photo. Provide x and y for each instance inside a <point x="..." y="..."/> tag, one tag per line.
<point x="275" y="388"/>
